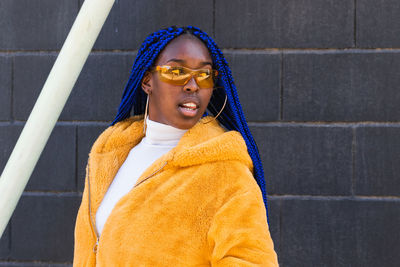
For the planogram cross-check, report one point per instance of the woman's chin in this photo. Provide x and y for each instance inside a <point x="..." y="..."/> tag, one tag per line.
<point x="186" y="119"/>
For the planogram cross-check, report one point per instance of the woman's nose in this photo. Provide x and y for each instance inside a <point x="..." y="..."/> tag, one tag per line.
<point x="191" y="85"/>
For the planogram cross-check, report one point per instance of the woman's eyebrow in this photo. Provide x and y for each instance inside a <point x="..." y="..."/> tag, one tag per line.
<point x="177" y="60"/>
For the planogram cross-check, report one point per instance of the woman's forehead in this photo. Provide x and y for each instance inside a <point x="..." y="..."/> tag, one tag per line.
<point x="185" y="48"/>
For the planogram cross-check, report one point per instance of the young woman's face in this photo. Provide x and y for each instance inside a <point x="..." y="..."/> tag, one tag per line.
<point x="180" y="106"/>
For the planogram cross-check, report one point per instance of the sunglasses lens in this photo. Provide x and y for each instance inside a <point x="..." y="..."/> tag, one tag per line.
<point x="176" y="75"/>
<point x="204" y="79"/>
<point x="180" y="76"/>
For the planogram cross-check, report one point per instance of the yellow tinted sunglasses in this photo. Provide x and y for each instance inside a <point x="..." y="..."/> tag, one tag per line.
<point x="178" y="75"/>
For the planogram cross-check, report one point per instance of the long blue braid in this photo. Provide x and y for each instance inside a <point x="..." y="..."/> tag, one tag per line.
<point x="232" y="117"/>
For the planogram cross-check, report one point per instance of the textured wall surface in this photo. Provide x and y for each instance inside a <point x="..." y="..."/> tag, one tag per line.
<point x="320" y="86"/>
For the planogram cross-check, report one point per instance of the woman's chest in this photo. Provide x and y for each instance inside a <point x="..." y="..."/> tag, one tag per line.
<point x="165" y="219"/>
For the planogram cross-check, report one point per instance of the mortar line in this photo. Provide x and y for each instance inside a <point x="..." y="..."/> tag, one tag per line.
<point x="324" y="123"/>
<point x="355" y="23"/>
<point x="233" y="49"/>
<point x="76" y="158"/>
<point x="12" y="91"/>
<point x="353" y="161"/>
<point x="14" y="262"/>
<point x="333" y="197"/>
<point x="281" y="89"/>
<point x="52" y="193"/>
<point x="250" y="123"/>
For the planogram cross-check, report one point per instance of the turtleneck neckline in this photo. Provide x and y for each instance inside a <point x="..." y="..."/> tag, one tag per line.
<point x="161" y="134"/>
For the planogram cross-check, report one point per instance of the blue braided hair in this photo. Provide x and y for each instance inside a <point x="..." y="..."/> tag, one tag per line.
<point x="232" y="117"/>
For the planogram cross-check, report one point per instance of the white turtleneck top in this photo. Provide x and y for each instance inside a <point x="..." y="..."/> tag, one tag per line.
<point x="160" y="138"/>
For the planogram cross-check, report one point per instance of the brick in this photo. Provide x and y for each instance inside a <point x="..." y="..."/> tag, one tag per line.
<point x="377" y="161"/>
<point x="284" y="24"/>
<point x="305" y="160"/>
<point x="98" y="91"/>
<point x="5" y="243"/>
<point x="55" y="170"/>
<point x="35" y="25"/>
<point x="30" y="73"/>
<point x="131" y="21"/>
<point x="86" y="137"/>
<point x="340" y="233"/>
<point x="318" y="233"/>
<point x="8" y="138"/>
<point x="5" y="87"/>
<point x="378" y="233"/>
<point x="340" y="87"/>
<point x="32" y="264"/>
<point x="257" y="78"/>
<point x="96" y="95"/>
<point x="378" y="24"/>
<point x="49" y="219"/>
<point x="274" y="209"/>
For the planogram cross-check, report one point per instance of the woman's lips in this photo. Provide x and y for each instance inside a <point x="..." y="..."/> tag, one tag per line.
<point x="189" y="109"/>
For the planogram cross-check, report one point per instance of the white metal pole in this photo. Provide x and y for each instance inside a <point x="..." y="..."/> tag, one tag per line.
<point x="50" y="103"/>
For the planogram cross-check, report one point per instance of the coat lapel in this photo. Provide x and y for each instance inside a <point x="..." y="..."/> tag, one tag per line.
<point x="108" y="154"/>
<point x="102" y="169"/>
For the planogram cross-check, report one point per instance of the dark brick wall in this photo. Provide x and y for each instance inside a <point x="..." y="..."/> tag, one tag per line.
<point x="319" y="84"/>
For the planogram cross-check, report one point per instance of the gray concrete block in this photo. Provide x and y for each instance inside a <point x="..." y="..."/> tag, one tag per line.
<point x="131" y="21"/>
<point x="98" y="91"/>
<point x="274" y="214"/>
<point x="378" y="23"/>
<point x="30" y="74"/>
<point x="5" y="244"/>
<point x="257" y="78"/>
<point x="86" y="137"/>
<point x="340" y="233"/>
<point x="55" y="170"/>
<point x="96" y="95"/>
<point x="5" y="87"/>
<point x="33" y="264"/>
<point x="377" y="161"/>
<point x="43" y="227"/>
<point x="8" y="138"/>
<point x="377" y="233"/>
<point x="304" y="160"/>
<point x="318" y="233"/>
<point x="35" y="25"/>
<point x="341" y="86"/>
<point x="286" y="24"/>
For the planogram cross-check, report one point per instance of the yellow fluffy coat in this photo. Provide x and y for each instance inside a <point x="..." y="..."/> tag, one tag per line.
<point x="197" y="205"/>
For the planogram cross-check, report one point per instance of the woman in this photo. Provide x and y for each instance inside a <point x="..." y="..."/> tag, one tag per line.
<point x="172" y="187"/>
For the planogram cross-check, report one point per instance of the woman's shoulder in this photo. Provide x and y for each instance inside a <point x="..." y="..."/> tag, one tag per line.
<point x="210" y="143"/>
<point x="235" y="175"/>
<point x="221" y="155"/>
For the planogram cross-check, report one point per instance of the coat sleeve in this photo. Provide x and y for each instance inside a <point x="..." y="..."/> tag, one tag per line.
<point x="239" y="233"/>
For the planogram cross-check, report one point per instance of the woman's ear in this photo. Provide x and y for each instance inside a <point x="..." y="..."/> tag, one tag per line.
<point x="147" y="83"/>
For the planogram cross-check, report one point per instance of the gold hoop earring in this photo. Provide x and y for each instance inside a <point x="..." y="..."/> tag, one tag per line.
<point x="219" y="113"/>
<point x="145" y="115"/>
